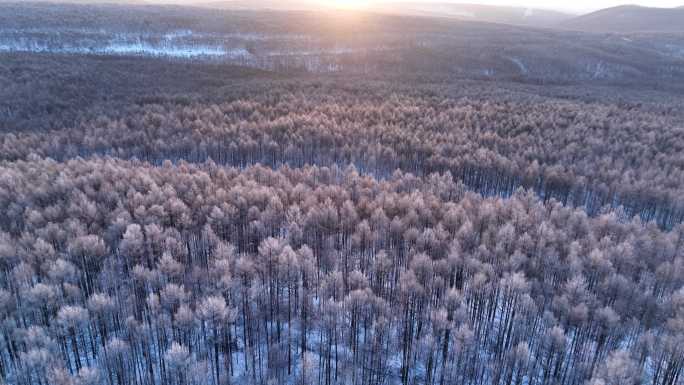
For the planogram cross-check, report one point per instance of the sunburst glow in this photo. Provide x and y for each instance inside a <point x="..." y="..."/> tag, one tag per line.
<point x="348" y="4"/>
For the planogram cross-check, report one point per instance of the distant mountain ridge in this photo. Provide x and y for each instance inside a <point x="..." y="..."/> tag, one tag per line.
<point x="474" y="12"/>
<point x="478" y="12"/>
<point x="629" y="19"/>
<point x="277" y="5"/>
<point x="619" y="19"/>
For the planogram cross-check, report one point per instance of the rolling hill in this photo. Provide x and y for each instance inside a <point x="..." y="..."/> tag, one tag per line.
<point x="473" y="12"/>
<point x="476" y="12"/>
<point x="257" y="5"/>
<point x="629" y="19"/>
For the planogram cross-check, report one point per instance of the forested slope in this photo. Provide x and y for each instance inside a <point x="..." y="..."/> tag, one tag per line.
<point x="583" y="154"/>
<point x="174" y="268"/>
<point x="349" y="42"/>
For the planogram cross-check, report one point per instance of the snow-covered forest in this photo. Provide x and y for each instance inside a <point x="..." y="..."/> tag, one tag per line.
<point x="195" y="221"/>
<point x="135" y="273"/>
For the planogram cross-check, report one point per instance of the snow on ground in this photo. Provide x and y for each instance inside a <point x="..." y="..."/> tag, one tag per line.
<point x="519" y="63"/>
<point x="181" y="43"/>
<point x="171" y="51"/>
<point x="130" y="48"/>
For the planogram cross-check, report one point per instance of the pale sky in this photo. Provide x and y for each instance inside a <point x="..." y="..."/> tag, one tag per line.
<point x="576" y="6"/>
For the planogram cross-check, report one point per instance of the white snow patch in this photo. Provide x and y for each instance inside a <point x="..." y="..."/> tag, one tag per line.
<point x="600" y="70"/>
<point x="130" y="48"/>
<point x="178" y="34"/>
<point x="521" y="66"/>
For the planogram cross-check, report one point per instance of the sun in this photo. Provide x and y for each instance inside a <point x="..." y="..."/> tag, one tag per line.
<point x="347" y="4"/>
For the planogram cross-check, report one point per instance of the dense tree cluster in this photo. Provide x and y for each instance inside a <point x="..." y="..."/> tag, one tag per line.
<point x="585" y="155"/>
<point x="50" y="92"/>
<point x="123" y="272"/>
